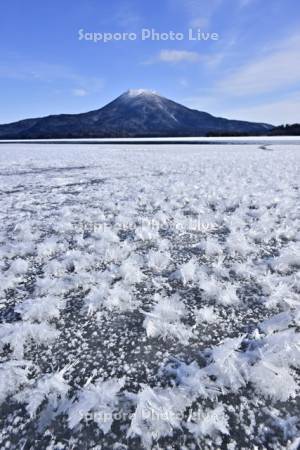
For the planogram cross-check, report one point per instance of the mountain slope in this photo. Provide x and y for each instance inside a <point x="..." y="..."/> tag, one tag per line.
<point x="136" y="113"/>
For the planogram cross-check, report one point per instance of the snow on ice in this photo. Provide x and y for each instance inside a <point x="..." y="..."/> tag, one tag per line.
<point x="124" y="325"/>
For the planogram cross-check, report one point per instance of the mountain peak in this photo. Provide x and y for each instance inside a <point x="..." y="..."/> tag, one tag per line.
<point x="138" y="92"/>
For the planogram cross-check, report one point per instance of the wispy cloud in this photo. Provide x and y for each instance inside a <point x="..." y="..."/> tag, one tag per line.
<point x="79" y="92"/>
<point x="176" y="56"/>
<point x="245" y="3"/>
<point x="199" y="13"/>
<point x="285" y="110"/>
<point x="203" y="101"/>
<point x="199" y="22"/>
<point x="279" y="68"/>
<point x="183" y="82"/>
<point x="37" y="71"/>
<point x="127" y="16"/>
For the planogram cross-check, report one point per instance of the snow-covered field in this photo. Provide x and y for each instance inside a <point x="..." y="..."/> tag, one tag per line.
<point x="149" y="297"/>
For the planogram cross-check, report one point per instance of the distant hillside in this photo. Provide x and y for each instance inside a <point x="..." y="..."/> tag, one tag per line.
<point x="286" y="130"/>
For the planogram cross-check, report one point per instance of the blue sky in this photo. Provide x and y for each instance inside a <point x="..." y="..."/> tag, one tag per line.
<point x="251" y="72"/>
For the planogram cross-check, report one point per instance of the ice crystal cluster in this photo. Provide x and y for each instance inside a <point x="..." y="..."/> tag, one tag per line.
<point x="149" y="297"/>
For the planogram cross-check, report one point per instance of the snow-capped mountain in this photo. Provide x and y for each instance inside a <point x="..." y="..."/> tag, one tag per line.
<point x="136" y="113"/>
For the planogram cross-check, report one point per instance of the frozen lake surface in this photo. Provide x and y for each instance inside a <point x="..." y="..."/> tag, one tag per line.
<point x="149" y="296"/>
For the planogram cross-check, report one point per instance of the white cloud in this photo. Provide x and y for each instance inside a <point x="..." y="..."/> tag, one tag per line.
<point x="200" y="13"/>
<point x="245" y="3"/>
<point x="127" y="16"/>
<point x="280" y="68"/>
<point x="203" y="102"/>
<point x="176" y="56"/>
<point x="284" y="110"/>
<point x="276" y="113"/>
<point x="199" y="22"/>
<point x="79" y="92"/>
<point x="183" y="82"/>
<point x="26" y="70"/>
